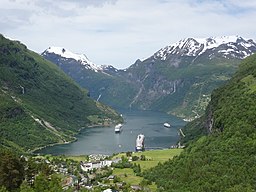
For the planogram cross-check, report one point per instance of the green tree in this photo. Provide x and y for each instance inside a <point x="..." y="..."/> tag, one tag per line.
<point x="135" y="158"/>
<point x="128" y="153"/>
<point x="31" y="170"/>
<point x="41" y="183"/>
<point x="11" y="170"/>
<point x="3" y="189"/>
<point x="143" y="158"/>
<point x="25" y="187"/>
<point x="55" y="184"/>
<point x="46" y="184"/>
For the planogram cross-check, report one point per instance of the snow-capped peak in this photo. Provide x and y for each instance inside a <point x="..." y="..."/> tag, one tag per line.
<point x="198" y="46"/>
<point x="213" y="42"/>
<point x="81" y="58"/>
<point x="216" y="41"/>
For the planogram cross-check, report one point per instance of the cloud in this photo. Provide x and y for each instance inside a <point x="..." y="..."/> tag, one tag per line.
<point x="118" y="32"/>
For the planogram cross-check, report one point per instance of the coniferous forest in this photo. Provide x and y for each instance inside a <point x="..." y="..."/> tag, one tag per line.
<point x="224" y="158"/>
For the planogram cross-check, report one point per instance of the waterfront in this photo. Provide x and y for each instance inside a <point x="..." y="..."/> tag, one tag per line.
<point x="103" y="140"/>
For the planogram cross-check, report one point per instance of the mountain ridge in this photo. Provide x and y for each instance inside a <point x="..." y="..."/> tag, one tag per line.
<point x="81" y="58"/>
<point x="194" y="47"/>
<point x="197" y="46"/>
<point x="177" y="79"/>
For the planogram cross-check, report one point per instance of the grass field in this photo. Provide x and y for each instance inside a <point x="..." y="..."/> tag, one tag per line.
<point x="152" y="157"/>
<point x="127" y="175"/>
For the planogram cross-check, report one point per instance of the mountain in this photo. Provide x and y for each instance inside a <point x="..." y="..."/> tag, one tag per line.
<point x="223" y="159"/>
<point x="224" y="46"/>
<point x="68" y="55"/>
<point x="177" y="79"/>
<point x="105" y="83"/>
<point x="40" y="105"/>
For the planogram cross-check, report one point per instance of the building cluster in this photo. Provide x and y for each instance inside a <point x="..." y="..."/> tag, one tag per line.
<point x="88" y="166"/>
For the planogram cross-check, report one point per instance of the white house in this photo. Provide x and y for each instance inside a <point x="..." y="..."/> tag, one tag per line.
<point x="97" y="164"/>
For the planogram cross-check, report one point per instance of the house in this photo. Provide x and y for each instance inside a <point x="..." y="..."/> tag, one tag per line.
<point x="97" y="164"/>
<point x="86" y="166"/>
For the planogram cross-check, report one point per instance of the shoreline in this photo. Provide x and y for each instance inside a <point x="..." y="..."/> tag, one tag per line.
<point x="36" y="150"/>
<point x="123" y="143"/>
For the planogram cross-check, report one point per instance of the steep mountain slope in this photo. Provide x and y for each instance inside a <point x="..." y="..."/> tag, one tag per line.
<point x="105" y="83"/>
<point x="177" y="79"/>
<point x="39" y="104"/>
<point x="225" y="159"/>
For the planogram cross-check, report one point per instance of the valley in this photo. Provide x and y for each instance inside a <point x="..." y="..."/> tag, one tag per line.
<point x="205" y="82"/>
<point x="178" y="79"/>
<point x="127" y="96"/>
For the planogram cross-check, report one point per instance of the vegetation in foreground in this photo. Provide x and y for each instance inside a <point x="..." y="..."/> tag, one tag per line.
<point x="223" y="160"/>
<point x="64" y="173"/>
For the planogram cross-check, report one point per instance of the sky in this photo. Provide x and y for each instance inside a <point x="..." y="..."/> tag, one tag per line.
<point x="118" y="32"/>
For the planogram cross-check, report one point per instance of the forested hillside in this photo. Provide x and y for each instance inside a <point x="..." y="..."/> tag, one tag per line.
<point x="223" y="159"/>
<point x="39" y="104"/>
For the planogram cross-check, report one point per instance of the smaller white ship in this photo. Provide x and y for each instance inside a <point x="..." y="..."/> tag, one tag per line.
<point x="140" y="143"/>
<point x="118" y="128"/>
<point x="167" y="125"/>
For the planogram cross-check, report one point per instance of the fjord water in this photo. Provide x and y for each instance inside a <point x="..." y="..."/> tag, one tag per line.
<point x="103" y="140"/>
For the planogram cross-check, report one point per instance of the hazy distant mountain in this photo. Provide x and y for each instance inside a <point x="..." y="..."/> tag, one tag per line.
<point x="177" y="79"/>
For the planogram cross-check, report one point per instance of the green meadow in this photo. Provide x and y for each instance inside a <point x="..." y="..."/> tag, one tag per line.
<point x="152" y="158"/>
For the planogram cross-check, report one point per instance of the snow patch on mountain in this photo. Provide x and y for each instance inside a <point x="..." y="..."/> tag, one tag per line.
<point x="81" y="58"/>
<point x="108" y="68"/>
<point x="236" y="46"/>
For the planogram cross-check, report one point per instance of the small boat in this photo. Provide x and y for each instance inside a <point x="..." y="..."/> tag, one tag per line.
<point x="167" y="125"/>
<point x="118" y="128"/>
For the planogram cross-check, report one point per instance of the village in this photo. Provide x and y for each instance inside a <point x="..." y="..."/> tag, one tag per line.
<point x="95" y="172"/>
<point x="99" y="172"/>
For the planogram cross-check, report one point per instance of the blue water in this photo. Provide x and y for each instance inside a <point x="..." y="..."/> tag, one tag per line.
<point x="103" y="140"/>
